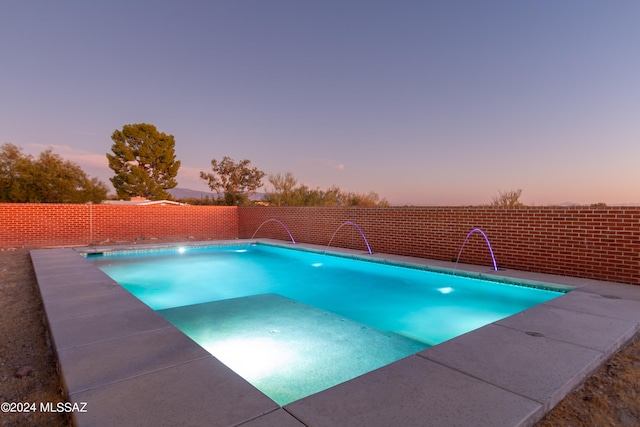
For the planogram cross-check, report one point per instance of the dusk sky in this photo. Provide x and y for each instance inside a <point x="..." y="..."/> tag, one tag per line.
<point x="423" y="102"/>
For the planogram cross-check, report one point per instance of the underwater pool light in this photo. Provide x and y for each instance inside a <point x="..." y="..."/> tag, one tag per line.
<point x="253" y="358"/>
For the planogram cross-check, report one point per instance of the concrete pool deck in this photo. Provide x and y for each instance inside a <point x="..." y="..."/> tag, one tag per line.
<point x="132" y="367"/>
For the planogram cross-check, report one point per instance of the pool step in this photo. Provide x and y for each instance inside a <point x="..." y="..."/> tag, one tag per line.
<point x="285" y="348"/>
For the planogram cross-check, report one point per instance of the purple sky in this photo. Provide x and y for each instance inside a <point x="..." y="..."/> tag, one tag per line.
<point x="442" y="102"/>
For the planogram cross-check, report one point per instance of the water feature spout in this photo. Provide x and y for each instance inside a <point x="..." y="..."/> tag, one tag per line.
<point x="279" y="222"/>
<point x="495" y="266"/>
<point x="358" y="228"/>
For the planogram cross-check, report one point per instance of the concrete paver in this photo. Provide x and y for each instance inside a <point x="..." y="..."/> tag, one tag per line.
<point x="203" y="392"/>
<point x="587" y="330"/>
<point x="125" y="357"/>
<point x="536" y="367"/>
<point x="278" y="418"/>
<point x="613" y="306"/>
<point x="610" y="289"/>
<point x="414" y="392"/>
<point x="91" y="299"/>
<point x="76" y="331"/>
<point x="72" y="288"/>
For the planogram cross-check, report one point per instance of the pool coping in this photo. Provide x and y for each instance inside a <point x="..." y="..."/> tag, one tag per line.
<point x="120" y="357"/>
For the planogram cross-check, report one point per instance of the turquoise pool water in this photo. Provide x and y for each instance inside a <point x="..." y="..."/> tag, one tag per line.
<point x="294" y="322"/>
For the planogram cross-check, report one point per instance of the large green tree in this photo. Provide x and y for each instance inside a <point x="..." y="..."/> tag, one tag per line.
<point x="144" y="162"/>
<point x="45" y="179"/>
<point x="233" y="182"/>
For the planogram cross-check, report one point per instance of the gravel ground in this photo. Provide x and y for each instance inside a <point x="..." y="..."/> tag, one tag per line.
<point x="28" y="373"/>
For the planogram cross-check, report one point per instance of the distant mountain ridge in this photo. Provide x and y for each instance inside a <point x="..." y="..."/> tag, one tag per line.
<point x="572" y="204"/>
<point x="187" y="193"/>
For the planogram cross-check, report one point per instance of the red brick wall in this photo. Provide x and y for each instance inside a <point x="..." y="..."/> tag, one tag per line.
<point x="598" y="243"/>
<point x="35" y="225"/>
<point x="38" y="225"/>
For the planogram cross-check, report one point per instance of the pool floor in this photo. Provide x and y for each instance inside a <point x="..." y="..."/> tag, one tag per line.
<point x="287" y="349"/>
<point x="131" y="366"/>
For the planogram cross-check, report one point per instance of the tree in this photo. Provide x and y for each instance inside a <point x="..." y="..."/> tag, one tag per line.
<point x="233" y="182"/>
<point x="144" y="162"/>
<point x="46" y="179"/>
<point x="507" y="199"/>
<point x="285" y="193"/>
<point x="12" y="165"/>
<point x="361" y="199"/>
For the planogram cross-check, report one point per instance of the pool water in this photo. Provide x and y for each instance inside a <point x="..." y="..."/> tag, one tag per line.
<point x="294" y="322"/>
<point x="285" y="348"/>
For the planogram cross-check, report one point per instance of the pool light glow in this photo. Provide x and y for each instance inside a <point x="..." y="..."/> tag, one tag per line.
<point x="239" y="354"/>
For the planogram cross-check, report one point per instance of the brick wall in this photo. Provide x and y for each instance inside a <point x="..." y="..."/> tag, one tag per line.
<point x="38" y="225"/>
<point x="598" y="243"/>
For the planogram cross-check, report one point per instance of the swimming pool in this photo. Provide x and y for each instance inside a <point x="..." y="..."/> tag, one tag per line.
<point x="308" y="320"/>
